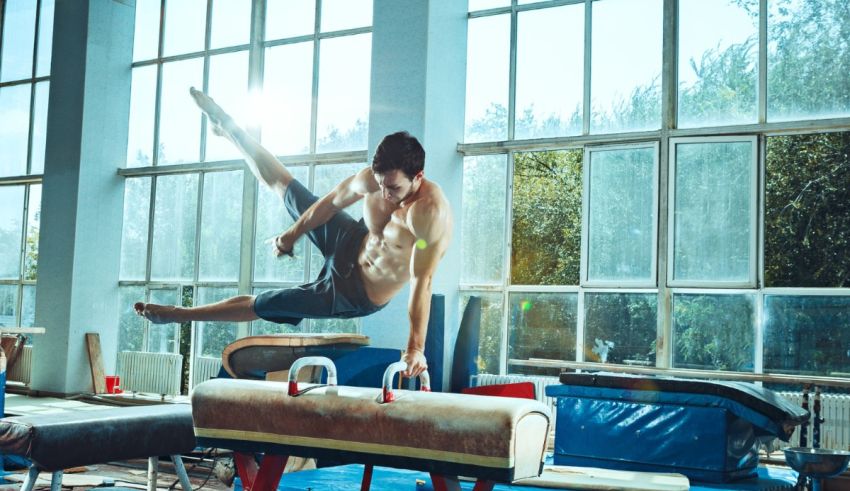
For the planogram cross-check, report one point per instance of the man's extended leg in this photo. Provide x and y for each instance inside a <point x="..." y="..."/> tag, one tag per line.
<point x="235" y="309"/>
<point x="265" y="167"/>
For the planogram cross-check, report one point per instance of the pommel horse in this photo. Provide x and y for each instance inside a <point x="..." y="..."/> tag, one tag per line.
<point x="491" y="439"/>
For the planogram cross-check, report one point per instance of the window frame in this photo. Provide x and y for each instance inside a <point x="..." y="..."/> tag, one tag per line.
<point x="758" y="132"/>
<point x="585" y="211"/>
<point x="753" y="220"/>
<point x="28" y="178"/>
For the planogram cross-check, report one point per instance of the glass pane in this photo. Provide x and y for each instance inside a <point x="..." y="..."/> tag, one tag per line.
<point x="231" y="23"/>
<point x="134" y="236"/>
<point x="626" y="65"/>
<point x="11" y="227"/>
<point x="260" y="327"/>
<point x="28" y="307"/>
<point x="542" y="325"/>
<point x="185" y="23"/>
<point x="33" y="229"/>
<point x="326" y="177"/>
<point x="808" y="59"/>
<point x="549" y="90"/>
<point x="712" y="229"/>
<point x="39" y="127"/>
<point x="131" y="327"/>
<point x="215" y="336"/>
<point x="346" y="14"/>
<point x="487" y="78"/>
<point x="272" y="219"/>
<point x="164" y="338"/>
<point x="175" y="215"/>
<point x="142" y="111"/>
<point x="546" y="235"/>
<point x="336" y="325"/>
<point x="18" y="40"/>
<point x="718" y="62"/>
<point x="490" y="334"/>
<point x="714" y="332"/>
<point x="14" y="133"/>
<point x="228" y="85"/>
<point x="285" y="109"/>
<point x="45" y="38"/>
<point x="179" y="119"/>
<point x="807" y="335"/>
<point x="482" y="238"/>
<point x="807" y="211"/>
<point x="621" y="234"/>
<point x="289" y="18"/>
<point x="487" y="4"/>
<point x="620" y="328"/>
<point x="221" y="226"/>
<point x="8" y="305"/>
<point x="146" y="36"/>
<point x="343" y="113"/>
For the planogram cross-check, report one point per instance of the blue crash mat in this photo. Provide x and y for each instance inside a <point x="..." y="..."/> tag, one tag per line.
<point x="348" y="477"/>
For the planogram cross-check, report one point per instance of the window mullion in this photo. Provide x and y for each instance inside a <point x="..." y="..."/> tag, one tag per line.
<point x="314" y="103"/>
<point x="506" y="272"/>
<point x="762" y="63"/>
<point x="588" y="38"/>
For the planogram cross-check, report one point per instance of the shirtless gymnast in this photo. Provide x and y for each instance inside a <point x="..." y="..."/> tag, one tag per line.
<point x="406" y="228"/>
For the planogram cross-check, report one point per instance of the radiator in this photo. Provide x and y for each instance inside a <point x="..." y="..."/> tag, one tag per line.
<point x="835" y="410"/>
<point x="156" y="373"/>
<point x="206" y="367"/>
<point x="540" y="383"/>
<point x="22" y="370"/>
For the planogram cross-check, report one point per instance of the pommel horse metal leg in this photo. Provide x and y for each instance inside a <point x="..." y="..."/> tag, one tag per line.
<point x="179" y="469"/>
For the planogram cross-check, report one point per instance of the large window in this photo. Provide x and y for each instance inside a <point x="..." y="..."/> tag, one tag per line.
<point x="295" y="74"/>
<point x="676" y="206"/>
<point x="25" y="47"/>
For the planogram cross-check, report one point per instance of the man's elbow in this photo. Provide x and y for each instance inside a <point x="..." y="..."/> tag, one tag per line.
<point x="422" y="281"/>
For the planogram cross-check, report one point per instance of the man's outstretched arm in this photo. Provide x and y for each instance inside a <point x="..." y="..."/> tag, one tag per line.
<point x="430" y="225"/>
<point x="345" y="194"/>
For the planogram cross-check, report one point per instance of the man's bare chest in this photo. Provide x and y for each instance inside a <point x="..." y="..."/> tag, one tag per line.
<point x="387" y="221"/>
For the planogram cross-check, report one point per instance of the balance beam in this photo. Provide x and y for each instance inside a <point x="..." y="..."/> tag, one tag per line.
<point x="492" y="439"/>
<point x="53" y="442"/>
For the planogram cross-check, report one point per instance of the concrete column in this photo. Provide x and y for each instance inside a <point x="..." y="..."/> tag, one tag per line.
<point x="418" y="84"/>
<point x="82" y="200"/>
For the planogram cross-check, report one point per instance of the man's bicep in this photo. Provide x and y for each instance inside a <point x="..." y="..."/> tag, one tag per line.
<point x="426" y="257"/>
<point x="349" y="191"/>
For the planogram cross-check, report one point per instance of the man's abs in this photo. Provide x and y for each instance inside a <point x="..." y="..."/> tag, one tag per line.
<point x="384" y="261"/>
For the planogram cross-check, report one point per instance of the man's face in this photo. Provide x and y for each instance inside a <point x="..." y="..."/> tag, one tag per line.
<point x="396" y="186"/>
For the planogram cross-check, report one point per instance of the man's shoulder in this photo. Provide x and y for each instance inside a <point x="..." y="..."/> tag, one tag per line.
<point x="431" y="213"/>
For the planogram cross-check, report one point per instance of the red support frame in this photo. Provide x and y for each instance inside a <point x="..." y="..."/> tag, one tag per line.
<point x="262" y="477"/>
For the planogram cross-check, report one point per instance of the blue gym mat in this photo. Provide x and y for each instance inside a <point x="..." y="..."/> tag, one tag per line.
<point x="347" y="477"/>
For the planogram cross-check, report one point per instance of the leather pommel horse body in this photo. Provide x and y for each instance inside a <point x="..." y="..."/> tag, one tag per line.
<point x="493" y="439"/>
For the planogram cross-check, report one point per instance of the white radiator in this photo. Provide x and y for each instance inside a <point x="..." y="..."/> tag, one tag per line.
<point x="540" y="383"/>
<point x="206" y="367"/>
<point x="22" y="370"/>
<point x="156" y="373"/>
<point x="835" y="410"/>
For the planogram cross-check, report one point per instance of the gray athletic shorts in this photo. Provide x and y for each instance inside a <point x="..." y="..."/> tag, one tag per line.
<point x="338" y="291"/>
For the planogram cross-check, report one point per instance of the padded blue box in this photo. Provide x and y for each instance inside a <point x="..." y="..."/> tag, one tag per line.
<point x="708" y="431"/>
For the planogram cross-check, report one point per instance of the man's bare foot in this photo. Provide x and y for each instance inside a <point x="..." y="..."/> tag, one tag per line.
<point x="158" y="314"/>
<point x="216" y="115"/>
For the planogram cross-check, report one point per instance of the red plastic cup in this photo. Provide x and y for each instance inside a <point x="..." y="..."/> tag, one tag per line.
<point x="113" y="383"/>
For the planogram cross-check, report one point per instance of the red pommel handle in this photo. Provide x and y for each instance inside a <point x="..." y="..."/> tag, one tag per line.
<point x="306" y="362"/>
<point x="389" y="374"/>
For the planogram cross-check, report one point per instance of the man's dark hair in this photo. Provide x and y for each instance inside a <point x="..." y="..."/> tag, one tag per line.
<point x="399" y="151"/>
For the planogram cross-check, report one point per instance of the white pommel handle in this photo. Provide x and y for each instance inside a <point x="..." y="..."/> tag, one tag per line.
<point x="389" y="374"/>
<point x="310" y="361"/>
